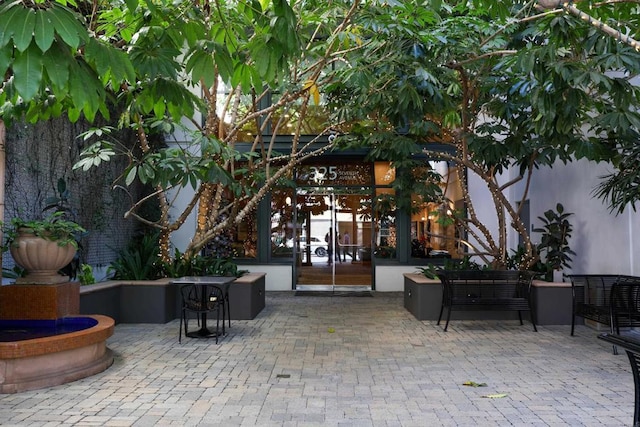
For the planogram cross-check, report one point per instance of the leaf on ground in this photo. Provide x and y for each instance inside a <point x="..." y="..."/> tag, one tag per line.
<point x="331" y="330"/>
<point x="495" y="396"/>
<point x="474" y="384"/>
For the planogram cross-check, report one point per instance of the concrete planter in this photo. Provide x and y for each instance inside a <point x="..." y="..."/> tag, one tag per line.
<point x="247" y="296"/>
<point x="158" y="301"/>
<point x="40" y="257"/>
<point x="551" y="302"/>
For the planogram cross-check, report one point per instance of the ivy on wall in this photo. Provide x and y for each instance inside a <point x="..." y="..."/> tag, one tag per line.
<point x="38" y="156"/>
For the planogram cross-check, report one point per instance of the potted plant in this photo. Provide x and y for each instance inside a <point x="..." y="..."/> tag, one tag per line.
<point x="43" y="246"/>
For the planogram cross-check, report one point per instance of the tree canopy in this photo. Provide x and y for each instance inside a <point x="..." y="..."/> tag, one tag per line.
<point x="506" y="85"/>
<point x="515" y="84"/>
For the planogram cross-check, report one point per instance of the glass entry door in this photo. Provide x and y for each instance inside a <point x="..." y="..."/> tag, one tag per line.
<point x="333" y="238"/>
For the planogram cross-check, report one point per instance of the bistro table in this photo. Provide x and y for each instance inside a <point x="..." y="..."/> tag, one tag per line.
<point x="221" y="282"/>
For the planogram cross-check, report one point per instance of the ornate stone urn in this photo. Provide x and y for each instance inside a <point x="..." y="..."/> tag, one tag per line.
<point x="40" y="257"/>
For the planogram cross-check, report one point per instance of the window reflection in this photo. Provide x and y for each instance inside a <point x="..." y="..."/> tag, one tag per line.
<point x="239" y="241"/>
<point x="245" y="242"/>
<point x="384" y="211"/>
<point x="385" y="223"/>
<point x="282" y="226"/>
<point x="434" y="230"/>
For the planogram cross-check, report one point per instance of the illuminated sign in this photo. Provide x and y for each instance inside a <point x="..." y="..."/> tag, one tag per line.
<point x="337" y="174"/>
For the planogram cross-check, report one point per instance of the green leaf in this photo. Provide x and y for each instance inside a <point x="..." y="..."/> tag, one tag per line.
<point x="262" y="58"/>
<point x="85" y="90"/>
<point x="201" y="66"/>
<point x="242" y="76"/>
<point x="27" y="69"/>
<point x="56" y="67"/>
<point x="132" y="4"/>
<point x="224" y="62"/>
<point x="193" y="31"/>
<point x="265" y="4"/>
<point x="6" y="55"/>
<point x="66" y="25"/>
<point x="110" y="63"/>
<point x="131" y="176"/>
<point x="159" y="108"/>
<point x="74" y="114"/>
<point x="43" y="31"/>
<point x="10" y="20"/>
<point x="25" y="21"/>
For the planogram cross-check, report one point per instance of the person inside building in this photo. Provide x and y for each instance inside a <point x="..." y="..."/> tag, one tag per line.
<point x="346" y="241"/>
<point x="330" y="238"/>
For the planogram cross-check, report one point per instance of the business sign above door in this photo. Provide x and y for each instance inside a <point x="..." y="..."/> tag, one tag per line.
<point x="334" y="174"/>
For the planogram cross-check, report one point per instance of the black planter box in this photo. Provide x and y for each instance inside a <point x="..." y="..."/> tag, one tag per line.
<point x="422" y="296"/>
<point x="159" y="301"/>
<point x="551" y="302"/>
<point x="246" y="296"/>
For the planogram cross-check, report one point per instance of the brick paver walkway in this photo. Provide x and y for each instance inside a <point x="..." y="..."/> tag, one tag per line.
<point x="343" y="361"/>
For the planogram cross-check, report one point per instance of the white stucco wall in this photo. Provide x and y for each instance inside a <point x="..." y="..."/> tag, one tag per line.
<point x="603" y="242"/>
<point x="484" y="208"/>
<point x="278" y="277"/>
<point x="391" y="279"/>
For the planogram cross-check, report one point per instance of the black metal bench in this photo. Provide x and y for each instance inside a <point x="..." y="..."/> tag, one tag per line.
<point x="632" y="347"/>
<point x="486" y="290"/>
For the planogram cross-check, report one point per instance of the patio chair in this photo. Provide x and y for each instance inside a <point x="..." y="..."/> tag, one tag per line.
<point x="632" y="347"/>
<point x="200" y="300"/>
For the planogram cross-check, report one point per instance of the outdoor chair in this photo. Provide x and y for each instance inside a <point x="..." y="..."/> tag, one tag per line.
<point x="201" y="301"/>
<point x="632" y="347"/>
<point x="625" y="303"/>
<point x="609" y="299"/>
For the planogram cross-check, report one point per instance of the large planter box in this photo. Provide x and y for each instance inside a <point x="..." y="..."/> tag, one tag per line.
<point x="158" y="301"/>
<point x="551" y="302"/>
<point x="422" y="296"/>
<point x="130" y="302"/>
<point x="148" y="303"/>
<point x="247" y="296"/>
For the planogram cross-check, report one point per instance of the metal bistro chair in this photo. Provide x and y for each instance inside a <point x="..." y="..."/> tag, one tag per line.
<point x="632" y="347"/>
<point x="201" y="300"/>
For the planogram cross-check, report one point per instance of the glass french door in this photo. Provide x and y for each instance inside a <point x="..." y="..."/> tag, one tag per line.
<point x="333" y="238"/>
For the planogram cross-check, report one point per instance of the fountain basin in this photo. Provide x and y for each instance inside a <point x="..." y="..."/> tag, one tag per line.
<point x="59" y="358"/>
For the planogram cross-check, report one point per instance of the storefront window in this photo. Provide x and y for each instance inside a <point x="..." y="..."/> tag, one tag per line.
<point x="245" y="238"/>
<point x="384" y="211"/>
<point x="282" y="224"/>
<point x="434" y="233"/>
<point x="238" y="242"/>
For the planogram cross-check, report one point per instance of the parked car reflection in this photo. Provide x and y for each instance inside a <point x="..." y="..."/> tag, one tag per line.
<point x="318" y="246"/>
